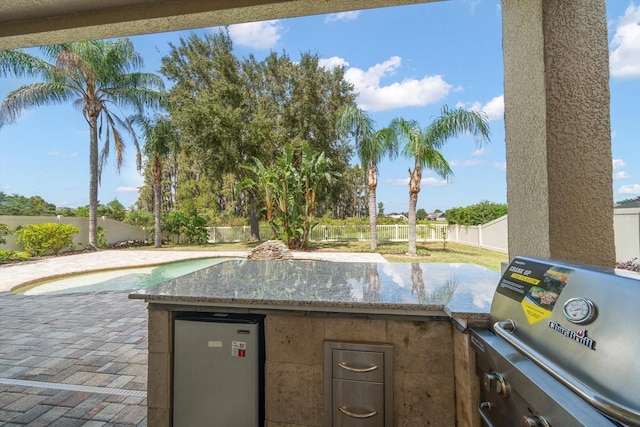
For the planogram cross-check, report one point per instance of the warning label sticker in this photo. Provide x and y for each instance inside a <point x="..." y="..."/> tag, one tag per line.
<point x="534" y="312"/>
<point x="238" y="348"/>
<point x="536" y="286"/>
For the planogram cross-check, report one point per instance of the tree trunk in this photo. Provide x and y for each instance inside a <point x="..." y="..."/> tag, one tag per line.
<point x="93" y="183"/>
<point x="254" y="218"/>
<point x="415" y="177"/>
<point x="417" y="282"/>
<point x="373" y="289"/>
<point x="372" y="183"/>
<point x="157" y="211"/>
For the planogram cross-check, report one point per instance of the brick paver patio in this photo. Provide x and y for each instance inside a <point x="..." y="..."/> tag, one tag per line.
<point x="73" y="360"/>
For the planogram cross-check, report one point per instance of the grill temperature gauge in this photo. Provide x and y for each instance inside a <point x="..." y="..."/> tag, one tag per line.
<point x="579" y="310"/>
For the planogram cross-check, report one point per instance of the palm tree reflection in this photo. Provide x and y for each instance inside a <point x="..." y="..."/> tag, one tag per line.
<point x="440" y="295"/>
<point x="372" y="286"/>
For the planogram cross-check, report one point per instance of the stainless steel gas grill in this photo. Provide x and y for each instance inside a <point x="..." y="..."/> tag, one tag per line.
<point x="564" y="347"/>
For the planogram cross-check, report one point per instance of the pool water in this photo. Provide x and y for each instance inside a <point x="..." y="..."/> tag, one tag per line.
<point x="128" y="279"/>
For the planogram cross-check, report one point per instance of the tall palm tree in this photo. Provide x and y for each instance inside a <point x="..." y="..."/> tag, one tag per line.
<point x="372" y="146"/>
<point x="423" y="144"/>
<point x="99" y="77"/>
<point x="161" y="139"/>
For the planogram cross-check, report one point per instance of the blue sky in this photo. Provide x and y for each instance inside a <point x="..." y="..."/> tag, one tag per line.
<point x="405" y="61"/>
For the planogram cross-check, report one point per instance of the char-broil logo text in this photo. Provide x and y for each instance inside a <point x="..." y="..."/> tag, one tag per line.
<point x="578" y="336"/>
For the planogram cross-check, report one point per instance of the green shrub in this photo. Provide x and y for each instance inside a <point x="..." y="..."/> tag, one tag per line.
<point x="38" y="239"/>
<point x="4" y="231"/>
<point x="6" y="256"/>
<point x="102" y="238"/>
<point x="480" y="213"/>
<point x="192" y="227"/>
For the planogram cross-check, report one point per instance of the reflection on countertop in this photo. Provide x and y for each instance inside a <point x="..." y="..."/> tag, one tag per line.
<point x="462" y="291"/>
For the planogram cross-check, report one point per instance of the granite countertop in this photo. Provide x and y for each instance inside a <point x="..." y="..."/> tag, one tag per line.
<point x="462" y="291"/>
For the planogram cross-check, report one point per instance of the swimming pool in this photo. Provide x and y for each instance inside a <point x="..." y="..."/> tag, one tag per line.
<point x="128" y="279"/>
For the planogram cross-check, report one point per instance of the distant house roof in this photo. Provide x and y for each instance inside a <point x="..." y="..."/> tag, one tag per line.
<point x="635" y="204"/>
<point x="437" y="216"/>
<point x="397" y="216"/>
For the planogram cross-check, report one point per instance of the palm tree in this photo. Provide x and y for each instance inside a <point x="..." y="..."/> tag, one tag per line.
<point x="423" y="144"/>
<point x="371" y="146"/>
<point x="161" y="139"/>
<point x="99" y="77"/>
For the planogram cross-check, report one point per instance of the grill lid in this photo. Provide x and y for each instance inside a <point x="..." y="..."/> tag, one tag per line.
<point x="578" y="322"/>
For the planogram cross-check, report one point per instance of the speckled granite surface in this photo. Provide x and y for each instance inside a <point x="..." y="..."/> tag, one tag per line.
<point x="462" y="291"/>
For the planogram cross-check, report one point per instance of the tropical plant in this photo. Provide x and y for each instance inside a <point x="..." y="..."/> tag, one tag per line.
<point x="371" y="146"/>
<point x="99" y="77"/>
<point x="289" y="192"/>
<point x="423" y="146"/>
<point x="161" y="138"/>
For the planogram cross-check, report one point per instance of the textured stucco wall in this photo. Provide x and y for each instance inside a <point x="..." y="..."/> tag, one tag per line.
<point x="558" y="130"/>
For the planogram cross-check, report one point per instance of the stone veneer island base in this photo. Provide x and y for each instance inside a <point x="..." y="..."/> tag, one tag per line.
<point x="419" y="309"/>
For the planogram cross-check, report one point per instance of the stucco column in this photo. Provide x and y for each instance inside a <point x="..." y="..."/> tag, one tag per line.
<point x="558" y="130"/>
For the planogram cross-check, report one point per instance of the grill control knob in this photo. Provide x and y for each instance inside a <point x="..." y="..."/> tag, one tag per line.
<point x="534" y="421"/>
<point x="494" y="382"/>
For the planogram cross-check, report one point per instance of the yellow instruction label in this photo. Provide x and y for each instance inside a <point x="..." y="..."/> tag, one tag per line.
<point x="524" y="278"/>
<point x="534" y="312"/>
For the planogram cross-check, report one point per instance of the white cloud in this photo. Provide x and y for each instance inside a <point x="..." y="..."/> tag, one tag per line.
<point x="343" y="16"/>
<point x="621" y="175"/>
<point x="618" y="163"/>
<point x="333" y="62"/>
<point x="127" y="190"/>
<point x="5" y="188"/>
<point x="429" y="182"/>
<point x="256" y="35"/>
<point x="407" y="93"/>
<point x="398" y="182"/>
<point x="625" y="45"/>
<point x="465" y="163"/>
<point x="479" y="152"/>
<point x="472" y="6"/>
<point x="500" y="165"/>
<point x="62" y="155"/>
<point x="494" y="109"/>
<point x="433" y="182"/>
<point x="629" y="189"/>
<point x="393" y="273"/>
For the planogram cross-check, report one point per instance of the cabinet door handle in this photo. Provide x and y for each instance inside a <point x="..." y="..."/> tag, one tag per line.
<point x="356" y="415"/>
<point x="358" y="370"/>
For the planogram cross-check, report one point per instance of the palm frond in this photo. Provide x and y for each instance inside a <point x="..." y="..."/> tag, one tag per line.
<point x="22" y="64"/>
<point x="36" y="94"/>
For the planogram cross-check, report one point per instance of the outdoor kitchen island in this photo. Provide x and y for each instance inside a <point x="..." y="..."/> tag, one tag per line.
<point x="420" y="310"/>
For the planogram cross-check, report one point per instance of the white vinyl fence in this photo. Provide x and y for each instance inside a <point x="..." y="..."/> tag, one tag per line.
<point x="492" y="235"/>
<point x="329" y="233"/>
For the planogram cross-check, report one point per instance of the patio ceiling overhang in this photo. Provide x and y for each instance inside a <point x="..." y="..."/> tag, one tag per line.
<point x="25" y="23"/>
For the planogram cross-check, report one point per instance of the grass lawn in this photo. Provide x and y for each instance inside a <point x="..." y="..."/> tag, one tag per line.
<point x="392" y="251"/>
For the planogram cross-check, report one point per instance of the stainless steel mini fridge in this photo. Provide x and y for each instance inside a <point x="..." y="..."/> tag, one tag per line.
<point x="218" y="370"/>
